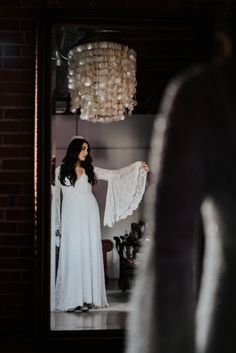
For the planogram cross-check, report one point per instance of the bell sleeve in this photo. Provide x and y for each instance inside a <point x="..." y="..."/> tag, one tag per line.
<point x="125" y="190"/>
<point x="57" y="201"/>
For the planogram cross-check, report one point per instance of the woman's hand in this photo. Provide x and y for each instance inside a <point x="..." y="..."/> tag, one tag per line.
<point x="144" y="167"/>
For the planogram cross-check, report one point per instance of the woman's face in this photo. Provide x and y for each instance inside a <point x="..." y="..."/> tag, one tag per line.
<point x="84" y="152"/>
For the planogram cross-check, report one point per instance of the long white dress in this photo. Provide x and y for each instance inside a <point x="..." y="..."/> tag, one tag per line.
<point x="80" y="274"/>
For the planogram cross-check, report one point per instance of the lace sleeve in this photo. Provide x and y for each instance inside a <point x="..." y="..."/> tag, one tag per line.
<point x="104" y="174"/>
<point x="125" y="191"/>
<point x="57" y="201"/>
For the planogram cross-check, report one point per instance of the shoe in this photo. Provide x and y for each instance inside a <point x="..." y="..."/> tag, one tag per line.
<point x="90" y="306"/>
<point x="72" y="310"/>
<point x="93" y="306"/>
<point x="85" y="308"/>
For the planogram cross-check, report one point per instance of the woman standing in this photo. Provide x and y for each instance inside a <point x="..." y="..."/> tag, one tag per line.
<point x="80" y="279"/>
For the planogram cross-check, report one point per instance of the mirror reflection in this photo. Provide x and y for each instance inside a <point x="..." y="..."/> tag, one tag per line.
<point x="99" y="177"/>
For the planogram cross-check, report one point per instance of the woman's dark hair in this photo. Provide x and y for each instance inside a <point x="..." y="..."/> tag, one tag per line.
<point x="68" y="165"/>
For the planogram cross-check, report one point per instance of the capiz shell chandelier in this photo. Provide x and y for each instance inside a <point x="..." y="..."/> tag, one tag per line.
<point x="102" y="81"/>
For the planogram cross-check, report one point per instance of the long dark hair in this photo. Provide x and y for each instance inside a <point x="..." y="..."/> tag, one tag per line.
<point x="67" y="169"/>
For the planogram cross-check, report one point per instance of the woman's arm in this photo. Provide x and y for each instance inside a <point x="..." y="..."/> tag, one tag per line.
<point x="106" y="174"/>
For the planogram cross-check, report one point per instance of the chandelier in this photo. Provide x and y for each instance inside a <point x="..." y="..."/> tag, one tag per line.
<point x="102" y="81"/>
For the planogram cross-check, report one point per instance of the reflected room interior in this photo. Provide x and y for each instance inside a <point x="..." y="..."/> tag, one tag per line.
<point x="113" y="146"/>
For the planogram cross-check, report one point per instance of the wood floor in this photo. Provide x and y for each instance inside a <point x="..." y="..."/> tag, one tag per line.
<point x="111" y="318"/>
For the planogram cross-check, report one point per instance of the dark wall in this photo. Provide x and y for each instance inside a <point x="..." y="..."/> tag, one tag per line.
<point x="17" y="51"/>
<point x="17" y="47"/>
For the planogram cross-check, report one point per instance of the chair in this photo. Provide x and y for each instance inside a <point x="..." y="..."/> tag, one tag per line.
<point x="107" y="245"/>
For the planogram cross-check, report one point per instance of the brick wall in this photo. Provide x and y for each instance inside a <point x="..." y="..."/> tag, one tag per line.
<point x="17" y="45"/>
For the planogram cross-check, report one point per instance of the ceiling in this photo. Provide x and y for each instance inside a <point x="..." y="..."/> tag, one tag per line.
<point x="165" y="45"/>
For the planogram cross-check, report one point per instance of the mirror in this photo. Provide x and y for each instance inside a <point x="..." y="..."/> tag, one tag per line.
<point x="113" y="146"/>
<point x="75" y="252"/>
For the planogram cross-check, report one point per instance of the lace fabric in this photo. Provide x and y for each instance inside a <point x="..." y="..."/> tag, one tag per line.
<point x="125" y="190"/>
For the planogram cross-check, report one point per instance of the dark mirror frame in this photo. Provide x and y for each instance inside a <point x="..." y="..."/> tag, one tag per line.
<point x="112" y="340"/>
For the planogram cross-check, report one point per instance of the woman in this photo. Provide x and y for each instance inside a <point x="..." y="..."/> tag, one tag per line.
<point x="80" y="280"/>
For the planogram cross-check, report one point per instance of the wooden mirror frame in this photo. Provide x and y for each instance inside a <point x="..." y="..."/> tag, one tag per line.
<point x="98" y="339"/>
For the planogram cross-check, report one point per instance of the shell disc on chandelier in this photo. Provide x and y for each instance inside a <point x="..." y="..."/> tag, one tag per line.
<point x="102" y="81"/>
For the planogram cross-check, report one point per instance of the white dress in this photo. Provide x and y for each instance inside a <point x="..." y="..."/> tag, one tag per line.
<point x="80" y="274"/>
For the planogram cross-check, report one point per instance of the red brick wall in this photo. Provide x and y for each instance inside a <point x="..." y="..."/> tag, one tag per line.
<point x="17" y="45"/>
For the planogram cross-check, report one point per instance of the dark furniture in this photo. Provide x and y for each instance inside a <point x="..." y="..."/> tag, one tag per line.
<point x="127" y="251"/>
